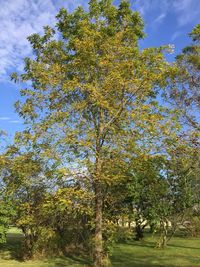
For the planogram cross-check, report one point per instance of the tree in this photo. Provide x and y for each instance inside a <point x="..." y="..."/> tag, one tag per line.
<point x="21" y="175"/>
<point x="7" y="210"/>
<point x="147" y="191"/>
<point x="184" y="94"/>
<point x="183" y="176"/>
<point x="182" y="193"/>
<point x="6" y="213"/>
<point x="185" y="87"/>
<point x="91" y="88"/>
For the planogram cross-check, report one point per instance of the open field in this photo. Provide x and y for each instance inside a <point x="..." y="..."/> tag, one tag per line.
<point x="180" y="252"/>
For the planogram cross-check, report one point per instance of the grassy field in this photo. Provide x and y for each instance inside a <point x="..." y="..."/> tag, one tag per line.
<point x="180" y="252"/>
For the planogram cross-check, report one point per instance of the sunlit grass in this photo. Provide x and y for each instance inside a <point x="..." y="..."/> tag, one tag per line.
<point x="180" y="252"/>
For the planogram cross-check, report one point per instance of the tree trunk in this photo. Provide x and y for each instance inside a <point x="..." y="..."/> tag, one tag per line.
<point x="162" y="242"/>
<point x="139" y="229"/>
<point x="28" y="243"/>
<point x="98" y="239"/>
<point x="98" y="242"/>
<point x="139" y="233"/>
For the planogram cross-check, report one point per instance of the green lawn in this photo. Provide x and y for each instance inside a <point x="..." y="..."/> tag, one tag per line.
<point x="180" y="252"/>
<point x="10" y="255"/>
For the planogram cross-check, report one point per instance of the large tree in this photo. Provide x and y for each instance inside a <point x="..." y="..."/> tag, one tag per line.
<point x="92" y="89"/>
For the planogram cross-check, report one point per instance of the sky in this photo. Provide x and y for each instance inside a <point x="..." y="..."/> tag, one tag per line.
<point x="166" y="22"/>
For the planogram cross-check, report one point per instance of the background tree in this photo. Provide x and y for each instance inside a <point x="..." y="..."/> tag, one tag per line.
<point x="185" y="89"/>
<point x="7" y="209"/>
<point x="21" y="173"/>
<point x="6" y="213"/>
<point x="183" y="175"/>
<point x="185" y="95"/>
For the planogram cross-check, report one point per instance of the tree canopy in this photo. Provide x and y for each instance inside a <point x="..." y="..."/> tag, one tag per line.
<point x="101" y="142"/>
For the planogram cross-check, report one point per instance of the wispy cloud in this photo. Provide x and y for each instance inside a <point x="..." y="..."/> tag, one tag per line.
<point x="21" y="18"/>
<point x="160" y="18"/>
<point x="15" y="121"/>
<point x="175" y="35"/>
<point x="144" y="6"/>
<point x="186" y="11"/>
<point x="10" y="120"/>
<point x="4" y="118"/>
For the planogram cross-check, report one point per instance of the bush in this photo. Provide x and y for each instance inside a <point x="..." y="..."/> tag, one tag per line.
<point x="123" y="234"/>
<point x="193" y="226"/>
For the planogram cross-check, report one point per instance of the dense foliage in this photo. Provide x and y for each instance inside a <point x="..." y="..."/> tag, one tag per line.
<point x="103" y="154"/>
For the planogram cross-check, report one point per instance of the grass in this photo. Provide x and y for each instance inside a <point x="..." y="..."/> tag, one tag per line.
<point x="181" y="251"/>
<point x="10" y="255"/>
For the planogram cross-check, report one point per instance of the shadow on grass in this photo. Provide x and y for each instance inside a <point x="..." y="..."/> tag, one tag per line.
<point x="149" y="261"/>
<point x="67" y="261"/>
<point x="78" y="259"/>
<point x="144" y="254"/>
<point x="141" y="243"/>
<point x="151" y="244"/>
<point x="12" y="249"/>
<point x="127" y="254"/>
<point x="183" y="247"/>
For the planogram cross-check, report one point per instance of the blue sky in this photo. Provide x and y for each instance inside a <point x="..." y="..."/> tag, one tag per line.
<point x="166" y="22"/>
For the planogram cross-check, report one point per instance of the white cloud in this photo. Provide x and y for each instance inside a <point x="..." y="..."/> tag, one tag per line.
<point x="141" y="6"/>
<point x="146" y="6"/>
<point x="19" y="19"/>
<point x="160" y="18"/>
<point x="10" y="120"/>
<point x="4" y="118"/>
<point x="186" y="11"/>
<point x="175" y="35"/>
<point x="182" y="4"/>
<point x="15" y="121"/>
